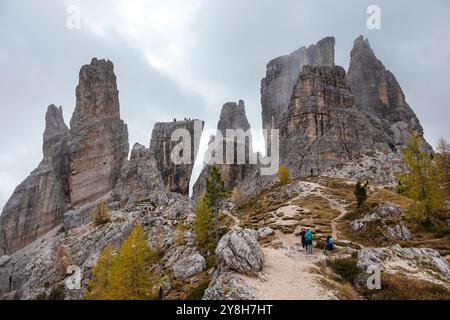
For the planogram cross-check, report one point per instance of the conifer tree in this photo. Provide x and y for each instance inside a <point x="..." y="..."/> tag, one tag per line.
<point x="214" y="197"/>
<point x="126" y="275"/>
<point x="99" y="288"/>
<point x="131" y="278"/>
<point x="179" y="233"/>
<point x="443" y="160"/>
<point x="422" y="182"/>
<point x="101" y="214"/>
<point x="283" y="174"/>
<point x="361" y="192"/>
<point x="203" y="225"/>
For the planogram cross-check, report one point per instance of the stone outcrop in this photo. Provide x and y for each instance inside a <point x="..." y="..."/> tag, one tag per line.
<point x="380" y="168"/>
<point x="282" y="75"/>
<point x="240" y="251"/>
<point x="38" y="203"/>
<point x="189" y="266"/>
<point x="176" y="177"/>
<point x="379" y="96"/>
<point x="34" y="271"/>
<point x="388" y="219"/>
<point x="322" y="127"/>
<point x="232" y="117"/>
<point x="98" y="137"/>
<point x="140" y="179"/>
<point x="422" y="263"/>
<point x="226" y="285"/>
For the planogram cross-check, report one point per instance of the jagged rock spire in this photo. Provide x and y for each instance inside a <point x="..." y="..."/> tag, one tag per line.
<point x="282" y="74"/>
<point x="379" y="95"/>
<point x="38" y="203"/>
<point x="98" y="137"/>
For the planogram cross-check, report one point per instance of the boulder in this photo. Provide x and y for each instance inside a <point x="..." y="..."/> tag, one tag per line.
<point x="240" y="251"/>
<point x="418" y="262"/>
<point x="189" y="266"/>
<point x="265" y="232"/>
<point x="226" y="285"/>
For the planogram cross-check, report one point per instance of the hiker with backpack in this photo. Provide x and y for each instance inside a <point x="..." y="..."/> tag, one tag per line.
<point x="309" y="241"/>
<point x="329" y="244"/>
<point x="302" y="238"/>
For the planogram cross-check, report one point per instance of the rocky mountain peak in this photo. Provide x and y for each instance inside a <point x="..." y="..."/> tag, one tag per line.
<point x="176" y="177"/>
<point x="379" y="95"/>
<point x="282" y="74"/>
<point x="98" y="137"/>
<point x="233" y="116"/>
<point x="56" y="132"/>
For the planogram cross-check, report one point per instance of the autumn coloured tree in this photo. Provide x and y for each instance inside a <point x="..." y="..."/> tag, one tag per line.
<point x="283" y="174"/>
<point x="101" y="214"/>
<point x="204" y="227"/>
<point x="422" y="182"/>
<point x="443" y="161"/>
<point x="99" y="287"/>
<point x="361" y="192"/>
<point x="214" y="197"/>
<point x="125" y="275"/>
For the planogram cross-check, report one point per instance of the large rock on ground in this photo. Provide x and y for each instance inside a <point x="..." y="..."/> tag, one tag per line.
<point x="422" y="263"/>
<point x="388" y="219"/>
<point x="240" y="251"/>
<point x="176" y="177"/>
<point x="379" y="95"/>
<point x="38" y="203"/>
<point x="226" y="285"/>
<point x="98" y="137"/>
<point x="189" y="266"/>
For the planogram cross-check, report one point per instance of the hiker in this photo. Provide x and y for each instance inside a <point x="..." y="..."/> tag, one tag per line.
<point x="303" y="240"/>
<point x="309" y="241"/>
<point x="329" y="244"/>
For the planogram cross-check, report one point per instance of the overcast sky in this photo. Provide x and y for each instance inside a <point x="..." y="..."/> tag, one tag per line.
<point x="186" y="58"/>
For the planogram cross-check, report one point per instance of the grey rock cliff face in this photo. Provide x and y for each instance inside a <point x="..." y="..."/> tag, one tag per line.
<point x="38" y="203"/>
<point x="282" y="74"/>
<point x="379" y="96"/>
<point x="98" y="137"/>
<point x="322" y="127"/>
<point x="140" y="178"/>
<point x="176" y="177"/>
<point x="233" y="117"/>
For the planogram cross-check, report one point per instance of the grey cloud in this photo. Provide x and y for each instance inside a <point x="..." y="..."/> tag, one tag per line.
<point x="235" y="39"/>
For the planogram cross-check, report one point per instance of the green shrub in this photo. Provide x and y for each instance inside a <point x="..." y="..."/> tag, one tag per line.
<point x="401" y="287"/>
<point x="346" y="268"/>
<point x="197" y="292"/>
<point x="101" y="214"/>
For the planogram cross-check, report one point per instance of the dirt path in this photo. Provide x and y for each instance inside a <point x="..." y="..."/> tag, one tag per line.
<point x="287" y="274"/>
<point x="287" y="271"/>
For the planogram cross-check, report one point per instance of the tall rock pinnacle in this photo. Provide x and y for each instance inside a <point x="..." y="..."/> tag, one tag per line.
<point x="233" y="117"/>
<point x="98" y="137"/>
<point x="323" y="128"/>
<point x="176" y="177"/>
<point x="38" y="203"/>
<point x="379" y="95"/>
<point x="282" y="74"/>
